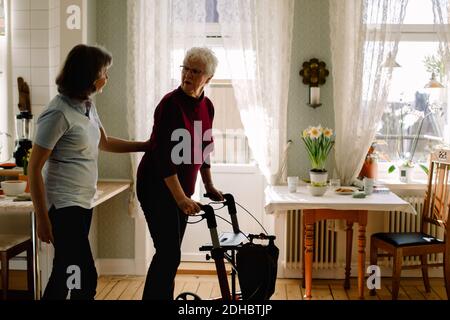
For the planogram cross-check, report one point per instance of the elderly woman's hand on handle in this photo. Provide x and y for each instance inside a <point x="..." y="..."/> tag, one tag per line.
<point x="213" y="193"/>
<point x="189" y="206"/>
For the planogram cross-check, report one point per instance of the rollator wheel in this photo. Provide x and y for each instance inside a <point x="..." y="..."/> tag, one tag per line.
<point x="188" y="296"/>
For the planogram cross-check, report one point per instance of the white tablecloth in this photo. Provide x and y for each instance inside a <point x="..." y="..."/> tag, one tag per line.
<point x="279" y="199"/>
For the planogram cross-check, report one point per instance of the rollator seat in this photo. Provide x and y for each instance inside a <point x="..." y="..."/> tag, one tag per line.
<point x="228" y="241"/>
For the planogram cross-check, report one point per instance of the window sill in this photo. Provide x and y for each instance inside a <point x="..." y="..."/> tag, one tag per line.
<point x="396" y="185"/>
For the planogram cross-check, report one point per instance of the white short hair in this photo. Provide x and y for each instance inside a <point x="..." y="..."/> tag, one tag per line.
<point x="205" y="55"/>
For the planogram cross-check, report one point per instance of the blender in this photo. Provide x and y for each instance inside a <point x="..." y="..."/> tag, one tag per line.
<point x="24" y="132"/>
<point x="24" y="122"/>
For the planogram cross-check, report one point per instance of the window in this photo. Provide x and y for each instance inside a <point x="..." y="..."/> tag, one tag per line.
<point x="415" y="118"/>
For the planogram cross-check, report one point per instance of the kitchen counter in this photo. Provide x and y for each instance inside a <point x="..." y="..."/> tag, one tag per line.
<point x="106" y="189"/>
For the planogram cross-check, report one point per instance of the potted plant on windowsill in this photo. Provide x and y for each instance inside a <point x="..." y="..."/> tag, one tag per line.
<point x="318" y="142"/>
<point x="406" y="163"/>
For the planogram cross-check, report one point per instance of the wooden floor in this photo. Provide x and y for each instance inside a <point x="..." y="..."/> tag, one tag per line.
<point x="206" y="286"/>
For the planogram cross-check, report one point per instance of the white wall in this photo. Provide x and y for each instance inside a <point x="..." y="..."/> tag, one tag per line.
<point x="5" y="144"/>
<point x="246" y="184"/>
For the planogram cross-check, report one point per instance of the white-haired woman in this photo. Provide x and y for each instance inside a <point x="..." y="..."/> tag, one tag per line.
<point x="168" y="171"/>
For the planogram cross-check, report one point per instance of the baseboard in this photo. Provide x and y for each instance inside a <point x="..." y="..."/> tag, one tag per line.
<point x="116" y="266"/>
<point x="200" y="268"/>
<point x="339" y="272"/>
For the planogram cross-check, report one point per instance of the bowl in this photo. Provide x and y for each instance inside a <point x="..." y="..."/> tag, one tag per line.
<point x="13" y="187"/>
<point x="317" y="191"/>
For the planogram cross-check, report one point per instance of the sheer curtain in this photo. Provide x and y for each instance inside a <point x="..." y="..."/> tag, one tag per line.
<point x="362" y="37"/>
<point x="441" y="10"/>
<point x="257" y="37"/>
<point x="159" y="33"/>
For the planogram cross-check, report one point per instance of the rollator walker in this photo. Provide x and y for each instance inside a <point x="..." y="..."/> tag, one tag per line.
<point x="254" y="264"/>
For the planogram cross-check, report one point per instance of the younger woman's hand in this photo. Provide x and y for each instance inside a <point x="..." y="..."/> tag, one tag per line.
<point x="44" y="230"/>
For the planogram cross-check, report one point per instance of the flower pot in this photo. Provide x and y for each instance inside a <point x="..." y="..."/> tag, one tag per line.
<point x="318" y="178"/>
<point x="405" y="174"/>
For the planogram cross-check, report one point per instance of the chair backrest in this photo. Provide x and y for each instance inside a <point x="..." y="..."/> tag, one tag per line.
<point x="437" y="201"/>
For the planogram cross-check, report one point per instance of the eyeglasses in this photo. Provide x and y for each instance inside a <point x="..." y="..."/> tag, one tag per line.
<point x="194" y="71"/>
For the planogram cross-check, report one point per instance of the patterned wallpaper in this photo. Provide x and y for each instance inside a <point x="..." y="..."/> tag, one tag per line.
<point x="311" y="40"/>
<point x="115" y="227"/>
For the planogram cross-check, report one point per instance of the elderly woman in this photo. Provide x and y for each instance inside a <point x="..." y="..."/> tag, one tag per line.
<point x="167" y="173"/>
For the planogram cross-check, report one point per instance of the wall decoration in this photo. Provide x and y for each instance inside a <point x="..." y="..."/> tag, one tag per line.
<point x="314" y="74"/>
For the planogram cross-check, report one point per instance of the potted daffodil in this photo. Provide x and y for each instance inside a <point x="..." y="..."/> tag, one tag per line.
<point x="318" y="142"/>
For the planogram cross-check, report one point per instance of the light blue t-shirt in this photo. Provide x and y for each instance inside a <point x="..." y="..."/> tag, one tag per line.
<point x="71" y="172"/>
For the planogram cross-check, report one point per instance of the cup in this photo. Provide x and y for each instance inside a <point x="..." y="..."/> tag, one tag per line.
<point x="368" y="185"/>
<point x="335" y="183"/>
<point x="292" y="184"/>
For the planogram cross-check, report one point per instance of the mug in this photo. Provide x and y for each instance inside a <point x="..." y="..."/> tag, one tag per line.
<point x="368" y="185"/>
<point x="292" y="184"/>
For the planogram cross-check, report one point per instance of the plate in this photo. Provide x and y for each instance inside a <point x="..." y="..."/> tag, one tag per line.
<point x="345" y="190"/>
<point x="7" y="165"/>
<point x="24" y="196"/>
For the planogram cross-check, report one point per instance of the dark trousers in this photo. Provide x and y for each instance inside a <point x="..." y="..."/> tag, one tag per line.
<point x="167" y="225"/>
<point x="70" y="228"/>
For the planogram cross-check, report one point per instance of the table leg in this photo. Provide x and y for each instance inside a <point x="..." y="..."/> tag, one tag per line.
<point x="309" y="245"/>
<point x="303" y="255"/>
<point x="36" y="270"/>
<point x="361" y="258"/>
<point x="348" y="254"/>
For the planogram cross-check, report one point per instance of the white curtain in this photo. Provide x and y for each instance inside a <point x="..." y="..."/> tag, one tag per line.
<point x="441" y="11"/>
<point x="159" y="33"/>
<point x="362" y="37"/>
<point x="257" y="36"/>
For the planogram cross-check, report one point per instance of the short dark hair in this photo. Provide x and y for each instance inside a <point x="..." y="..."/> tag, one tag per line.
<point x="81" y="68"/>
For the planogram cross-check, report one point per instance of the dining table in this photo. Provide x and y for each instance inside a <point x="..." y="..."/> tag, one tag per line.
<point x="332" y="205"/>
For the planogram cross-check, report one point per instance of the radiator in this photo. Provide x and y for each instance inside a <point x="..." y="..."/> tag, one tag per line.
<point x="397" y="221"/>
<point x="325" y="242"/>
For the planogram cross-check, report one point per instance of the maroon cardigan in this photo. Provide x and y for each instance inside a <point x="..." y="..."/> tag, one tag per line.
<point x="176" y="110"/>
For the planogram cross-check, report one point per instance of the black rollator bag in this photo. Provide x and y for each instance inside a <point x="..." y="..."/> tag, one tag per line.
<point x="256" y="266"/>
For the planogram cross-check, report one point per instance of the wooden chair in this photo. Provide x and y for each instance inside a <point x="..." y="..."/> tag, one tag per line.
<point x="435" y="212"/>
<point x="10" y="246"/>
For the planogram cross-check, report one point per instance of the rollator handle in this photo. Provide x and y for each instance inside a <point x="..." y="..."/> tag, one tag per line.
<point x="231" y="204"/>
<point x="209" y="215"/>
<point x="229" y="201"/>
